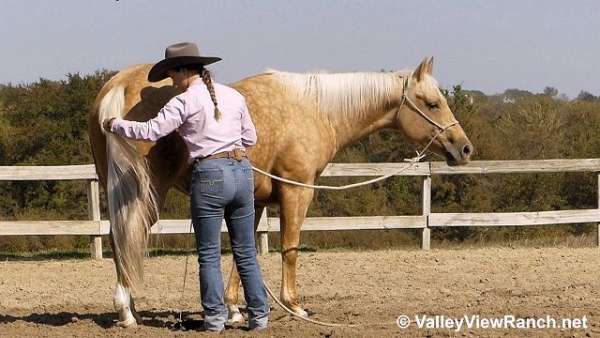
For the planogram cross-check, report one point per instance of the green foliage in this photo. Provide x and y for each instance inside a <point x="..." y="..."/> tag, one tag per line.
<point x="45" y="123"/>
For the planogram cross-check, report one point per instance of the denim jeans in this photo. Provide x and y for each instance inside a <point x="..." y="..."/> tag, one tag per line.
<point x="224" y="188"/>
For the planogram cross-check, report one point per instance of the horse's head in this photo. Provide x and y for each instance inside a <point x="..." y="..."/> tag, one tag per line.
<point x="424" y="117"/>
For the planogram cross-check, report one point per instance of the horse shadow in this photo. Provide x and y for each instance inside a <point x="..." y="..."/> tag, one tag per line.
<point x="157" y="319"/>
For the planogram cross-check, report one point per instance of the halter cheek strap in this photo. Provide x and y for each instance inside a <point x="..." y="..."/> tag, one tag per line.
<point x="405" y="98"/>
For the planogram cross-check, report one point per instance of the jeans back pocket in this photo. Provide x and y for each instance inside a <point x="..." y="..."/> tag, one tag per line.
<point x="210" y="180"/>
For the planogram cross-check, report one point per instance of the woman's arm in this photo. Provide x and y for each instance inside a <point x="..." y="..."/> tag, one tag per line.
<point x="169" y="118"/>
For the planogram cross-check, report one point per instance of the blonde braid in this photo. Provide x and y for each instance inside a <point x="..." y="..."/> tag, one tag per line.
<point x="205" y="74"/>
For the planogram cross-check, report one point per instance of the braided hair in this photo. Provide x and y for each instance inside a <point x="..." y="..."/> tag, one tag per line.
<point x="206" y="78"/>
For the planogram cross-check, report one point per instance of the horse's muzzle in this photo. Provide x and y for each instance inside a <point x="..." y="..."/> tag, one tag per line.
<point x="459" y="153"/>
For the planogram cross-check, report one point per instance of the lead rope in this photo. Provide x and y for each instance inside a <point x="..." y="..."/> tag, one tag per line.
<point x="314" y="321"/>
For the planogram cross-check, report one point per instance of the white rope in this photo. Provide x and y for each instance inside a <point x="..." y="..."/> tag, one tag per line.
<point x="343" y="187"/>
<point x="288" y="310"/>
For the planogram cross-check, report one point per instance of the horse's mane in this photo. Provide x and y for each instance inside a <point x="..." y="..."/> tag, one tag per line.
<point x="343" y="95"/>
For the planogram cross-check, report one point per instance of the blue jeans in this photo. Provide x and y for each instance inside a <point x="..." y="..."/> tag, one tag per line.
<point x="224" y="188"/>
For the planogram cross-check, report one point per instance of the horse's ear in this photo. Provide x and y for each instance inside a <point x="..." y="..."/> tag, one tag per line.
<point x="430" y="66"/>
<point x="421" y="70"/>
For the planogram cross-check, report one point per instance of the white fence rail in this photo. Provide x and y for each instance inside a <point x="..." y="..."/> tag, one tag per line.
<point x="95" y="227"/>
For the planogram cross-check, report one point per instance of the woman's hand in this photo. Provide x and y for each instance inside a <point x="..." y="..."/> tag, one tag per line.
<point x="107" y="124"/>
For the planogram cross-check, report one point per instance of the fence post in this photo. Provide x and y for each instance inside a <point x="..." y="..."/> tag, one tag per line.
<point x="598" y="224"/>
<point x="93" y="195"/>
<point x="263" y="233"/>
<point x="426" y="231"/>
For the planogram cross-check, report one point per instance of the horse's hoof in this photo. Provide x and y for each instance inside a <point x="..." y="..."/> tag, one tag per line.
<point x="300" y="312"/>
<point x="235" y="317"/>
<point x="128" y="323"/>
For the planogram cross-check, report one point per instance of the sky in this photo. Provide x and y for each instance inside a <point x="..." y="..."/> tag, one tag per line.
<point x="484" y="45"/>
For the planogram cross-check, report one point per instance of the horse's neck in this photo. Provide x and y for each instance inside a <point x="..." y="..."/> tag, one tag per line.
<point x="356" y="124"/>
<point x="346" y="132"/>
<point x="352" y="105"/>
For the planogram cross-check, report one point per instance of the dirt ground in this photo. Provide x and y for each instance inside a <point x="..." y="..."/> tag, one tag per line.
<point x="73" y="298"/>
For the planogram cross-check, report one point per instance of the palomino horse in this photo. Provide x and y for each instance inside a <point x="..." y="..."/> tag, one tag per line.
<point x="302" y="121"/>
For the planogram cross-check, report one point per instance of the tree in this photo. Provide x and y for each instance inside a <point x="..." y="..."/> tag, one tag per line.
<point x="513" y="93"/>
<point x="550" y="91"/>
<point x="586" y="96"/>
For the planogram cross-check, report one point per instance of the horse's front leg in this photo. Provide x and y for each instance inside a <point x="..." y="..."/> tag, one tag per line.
<point x="294" y="205"/>
<point x="233" y="286"/>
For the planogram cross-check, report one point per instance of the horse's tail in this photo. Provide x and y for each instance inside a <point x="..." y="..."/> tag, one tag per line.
<point x="131" y="198"/>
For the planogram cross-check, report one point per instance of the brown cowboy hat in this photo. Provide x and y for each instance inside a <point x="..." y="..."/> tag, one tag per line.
<point x="177" y="55"/>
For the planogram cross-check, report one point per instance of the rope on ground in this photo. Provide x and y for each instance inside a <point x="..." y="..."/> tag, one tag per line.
<point x="288" y="310"/>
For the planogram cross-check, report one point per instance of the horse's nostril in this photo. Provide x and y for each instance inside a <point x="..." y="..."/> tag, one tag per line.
<point x="467" y="150"/>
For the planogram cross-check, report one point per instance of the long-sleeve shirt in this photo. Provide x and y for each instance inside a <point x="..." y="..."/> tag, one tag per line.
<point x="191" y="113"/>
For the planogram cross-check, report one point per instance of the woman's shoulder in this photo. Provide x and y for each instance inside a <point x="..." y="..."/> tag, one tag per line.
<point x="228" y="91"/>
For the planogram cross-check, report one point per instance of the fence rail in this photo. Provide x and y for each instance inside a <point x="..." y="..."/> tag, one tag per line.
<point x="95" y="227"/>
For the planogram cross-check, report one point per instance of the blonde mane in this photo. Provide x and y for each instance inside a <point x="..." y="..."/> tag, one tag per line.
<point x="343" y="95"/>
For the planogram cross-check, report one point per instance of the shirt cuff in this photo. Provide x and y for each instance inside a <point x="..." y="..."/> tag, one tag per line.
<point x="114" y="123"/>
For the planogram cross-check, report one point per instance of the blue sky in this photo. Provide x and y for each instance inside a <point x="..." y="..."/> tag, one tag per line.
<point x="483" y="45"/>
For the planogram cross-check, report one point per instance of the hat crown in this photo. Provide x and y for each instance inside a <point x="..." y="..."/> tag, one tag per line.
<point x="182" y="49"/>
<point x="178" y="55"/>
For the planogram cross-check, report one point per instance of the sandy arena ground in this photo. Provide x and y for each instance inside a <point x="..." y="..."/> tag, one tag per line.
<point x="73" y="298"/>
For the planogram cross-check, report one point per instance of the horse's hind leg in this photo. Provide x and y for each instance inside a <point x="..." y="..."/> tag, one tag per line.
<point x="231" y="296"/>
<point x="233" y="286"/>
<point x="123" y="301"/>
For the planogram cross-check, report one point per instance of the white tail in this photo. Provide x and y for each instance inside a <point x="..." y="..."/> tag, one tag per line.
<point x="131" y="198"/>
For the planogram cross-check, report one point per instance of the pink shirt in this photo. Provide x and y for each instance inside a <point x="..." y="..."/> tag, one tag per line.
<point x="191" y="113"/>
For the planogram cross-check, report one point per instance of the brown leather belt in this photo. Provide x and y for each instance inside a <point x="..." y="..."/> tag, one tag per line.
<point x="237" y="154"/>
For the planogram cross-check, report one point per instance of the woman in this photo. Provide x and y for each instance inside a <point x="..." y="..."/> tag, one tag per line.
<point x="214" y="122"/>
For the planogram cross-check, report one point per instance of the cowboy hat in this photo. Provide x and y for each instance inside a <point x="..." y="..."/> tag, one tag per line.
<point x="177" y="55"/>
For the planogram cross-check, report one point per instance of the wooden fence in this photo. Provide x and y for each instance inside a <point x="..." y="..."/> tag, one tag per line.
<point x="95" y="227"/>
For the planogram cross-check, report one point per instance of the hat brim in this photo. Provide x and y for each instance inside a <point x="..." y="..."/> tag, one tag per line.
<point x="159" y="71"/>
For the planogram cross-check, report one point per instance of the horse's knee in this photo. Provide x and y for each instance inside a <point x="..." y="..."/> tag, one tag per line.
<point x="289" y="256"/>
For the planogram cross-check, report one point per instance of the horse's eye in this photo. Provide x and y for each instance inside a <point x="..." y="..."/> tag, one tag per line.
<point x="432" y="105"/>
